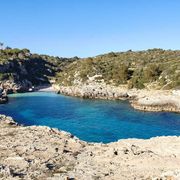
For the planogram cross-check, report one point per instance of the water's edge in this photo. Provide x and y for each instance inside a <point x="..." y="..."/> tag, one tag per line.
<point x="91" y="120"/>
<point x="144" y="100"/>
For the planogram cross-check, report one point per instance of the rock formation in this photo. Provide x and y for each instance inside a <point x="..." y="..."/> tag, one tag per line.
<point x="3" y="96"/>
<point x="38" y="152"/>
<point x="145" y="100"/>
<point x="21" y="71"/>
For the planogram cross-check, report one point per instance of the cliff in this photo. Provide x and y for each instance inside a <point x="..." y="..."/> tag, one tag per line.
<point x="21" y="70"/>
<point x="145" y="100"/>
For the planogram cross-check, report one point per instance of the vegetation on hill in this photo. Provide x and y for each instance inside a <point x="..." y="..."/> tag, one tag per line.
<point x="21" y="66"/>
<point x="154" y="67"/>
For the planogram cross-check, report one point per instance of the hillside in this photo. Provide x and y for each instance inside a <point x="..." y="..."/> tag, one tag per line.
<point x="154" y="69"/>
<point x="94" y="77"/>
<point x="21" y="70"/>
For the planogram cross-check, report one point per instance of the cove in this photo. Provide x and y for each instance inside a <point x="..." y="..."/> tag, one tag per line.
<point x="90" y="120"/>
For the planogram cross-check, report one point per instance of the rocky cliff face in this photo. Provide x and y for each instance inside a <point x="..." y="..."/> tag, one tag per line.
<point x="94" y="90"/>
<point x="21" y="71"/>
<point x="158" y="101"/>
<point x="20" y="75"/>
<point x="3" y="96"/>
<point x="45" y="153"/>
<point x="145" y="100"/>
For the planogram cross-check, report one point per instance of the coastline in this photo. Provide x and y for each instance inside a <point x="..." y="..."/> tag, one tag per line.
<point x="40" y="152"/>
<point x="43" y="88"/>
<point x="144" y="100"/>
<point x="46" y="153"/>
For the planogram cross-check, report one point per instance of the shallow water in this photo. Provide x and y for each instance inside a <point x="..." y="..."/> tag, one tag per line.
<point x="90" y="120"/>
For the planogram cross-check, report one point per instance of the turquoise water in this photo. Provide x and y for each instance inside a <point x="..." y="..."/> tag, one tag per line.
<point x="90" y="120"/>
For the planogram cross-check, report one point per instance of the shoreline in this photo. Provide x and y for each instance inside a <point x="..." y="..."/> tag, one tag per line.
<point x="4" y="92"/>
<point x="144" y="100"/>
<point x="40" y="152"/>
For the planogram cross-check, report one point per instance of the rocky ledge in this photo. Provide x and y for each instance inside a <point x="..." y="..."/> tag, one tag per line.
<point x="3" y="96"/>
<point x="157" y="101"/>
<point x="37" y="152"/>
<point x="145" y="100"/>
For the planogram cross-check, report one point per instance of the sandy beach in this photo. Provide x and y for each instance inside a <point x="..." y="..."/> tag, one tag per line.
<point x="46" y="89"/>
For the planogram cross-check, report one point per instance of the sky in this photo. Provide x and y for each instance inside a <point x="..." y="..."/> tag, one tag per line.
<point x="86" y="28"/>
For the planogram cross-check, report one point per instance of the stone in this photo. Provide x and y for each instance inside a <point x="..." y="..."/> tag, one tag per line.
<point x="39" y="152"/>
<point x="145" y="100"/>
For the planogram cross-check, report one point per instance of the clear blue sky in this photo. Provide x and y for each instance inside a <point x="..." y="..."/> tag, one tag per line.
<point x="89" y="27"/>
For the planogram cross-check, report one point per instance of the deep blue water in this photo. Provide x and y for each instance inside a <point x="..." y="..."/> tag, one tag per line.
<point x="90" y="120"/>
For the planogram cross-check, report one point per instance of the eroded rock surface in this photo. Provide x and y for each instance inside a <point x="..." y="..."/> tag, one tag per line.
<point x="145" y="100"/>
<point x="38" y="152"/>
<point x="3" y="96"/>
<point x="157" y="100"/>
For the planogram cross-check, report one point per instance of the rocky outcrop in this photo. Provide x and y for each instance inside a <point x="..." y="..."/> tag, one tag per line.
<point x="20" y="70"/>
<point x="35" y="152"/>
<point x="157" y="101"/>
<point x="3" y="99"/>
<point x="19" y="75"/>
<point x="10" y="86"/>
<point x="94" y="90"/>
<point x="3" y="96"/>
<point x="145" y="100"/>
<point x="38" y="152"/>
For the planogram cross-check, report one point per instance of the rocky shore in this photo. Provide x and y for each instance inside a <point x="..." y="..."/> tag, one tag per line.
<point x="158" y="101"/>
<point x="3" y="96"/>
<point x="38" y="152"/>
<point x="9" y="87"/>
<point x="145" y="100"/>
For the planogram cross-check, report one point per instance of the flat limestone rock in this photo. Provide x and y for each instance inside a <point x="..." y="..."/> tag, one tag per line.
<point x="39" y="152"/>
